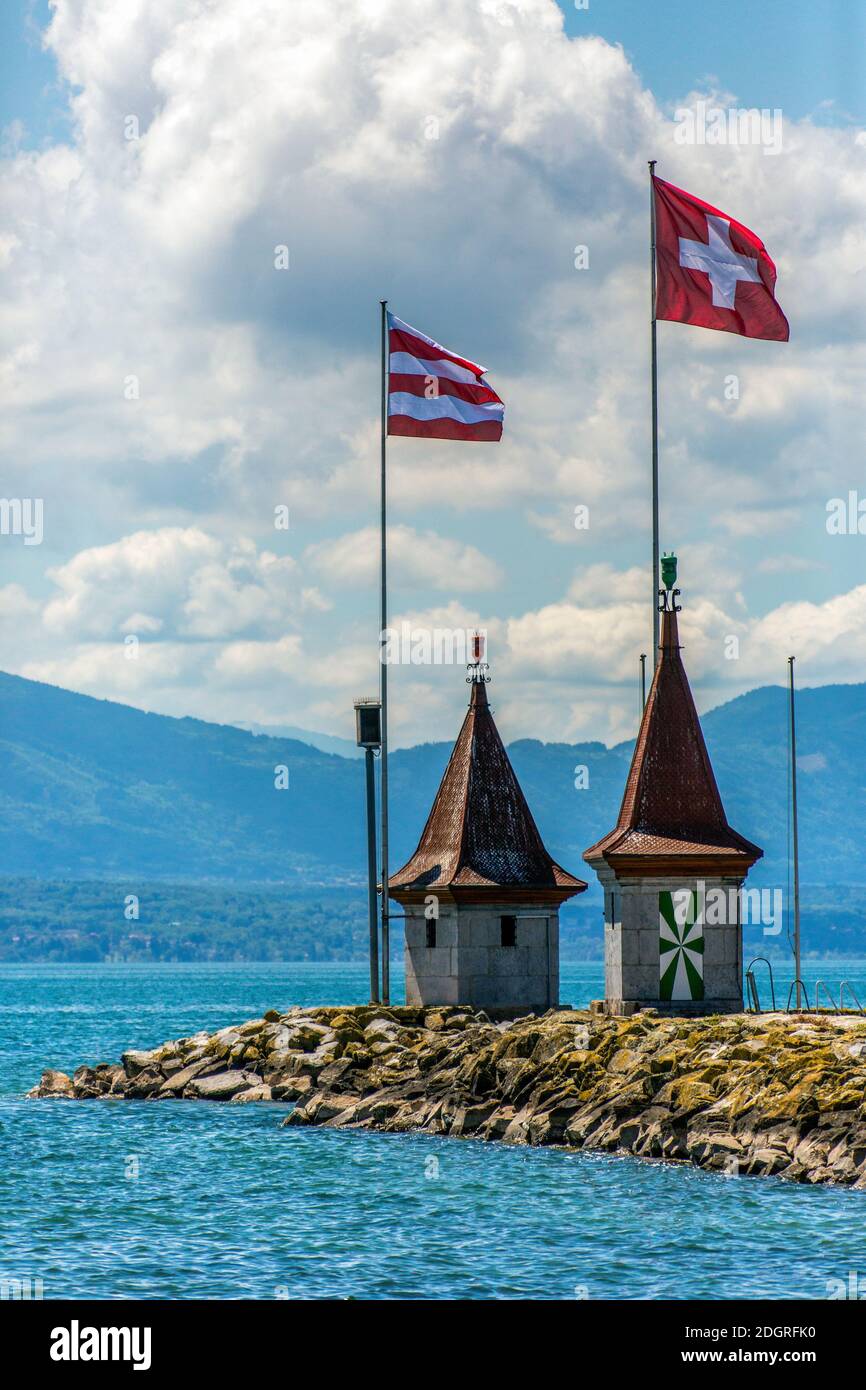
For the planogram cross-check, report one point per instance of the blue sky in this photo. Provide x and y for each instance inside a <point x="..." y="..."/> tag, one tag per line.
<point x="31" y="91"/>
<point x="808" y="59"/>
<point x="262" y="123"/>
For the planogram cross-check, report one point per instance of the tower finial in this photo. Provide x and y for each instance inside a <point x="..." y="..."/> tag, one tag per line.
<point x="668" y="594"/>
<point x="478" y="667"/>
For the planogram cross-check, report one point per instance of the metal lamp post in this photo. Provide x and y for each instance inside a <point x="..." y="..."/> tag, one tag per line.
<point x="368" y="735"/>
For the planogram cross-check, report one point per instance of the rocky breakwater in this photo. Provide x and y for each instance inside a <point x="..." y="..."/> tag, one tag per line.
<point x="769" y="1095"/>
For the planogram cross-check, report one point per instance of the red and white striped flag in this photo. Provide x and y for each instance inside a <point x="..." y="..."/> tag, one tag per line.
<point x="434" y="393"/>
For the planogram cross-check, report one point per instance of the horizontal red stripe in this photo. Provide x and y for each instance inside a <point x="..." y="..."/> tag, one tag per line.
<point x="418" y="347"/>
<point x="417" y="386"/>
<point x="485" y="432"/>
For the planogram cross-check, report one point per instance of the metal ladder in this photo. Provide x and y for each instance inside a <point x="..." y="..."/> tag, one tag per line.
<point x="794" y="984"/>
<point x="829" y="1007"/>
<point x="850" y="988"/>
<point x="753" y="987"/>
<point x="819" y="985"/>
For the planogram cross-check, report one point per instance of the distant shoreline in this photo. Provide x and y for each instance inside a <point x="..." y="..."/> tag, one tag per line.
<point x="780" y="961"/>
<point x="147" y="921"/>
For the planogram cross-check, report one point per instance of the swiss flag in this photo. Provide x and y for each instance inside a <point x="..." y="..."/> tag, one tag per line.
<point x="712" y="271"/>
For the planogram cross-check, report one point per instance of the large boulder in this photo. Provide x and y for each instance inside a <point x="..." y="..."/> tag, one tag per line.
<point x="254" y="1093"/>
<point x="178" y="1080"/>
<point x="53" y="1084"/>
<point x="89" y="1082"/>
<point x="222" y="1085"/>
<point x="135" y="1062"/>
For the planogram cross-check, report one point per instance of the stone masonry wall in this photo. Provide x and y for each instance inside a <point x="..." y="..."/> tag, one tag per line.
<point x="631" y="947"/>
<point x="469" y="965"/>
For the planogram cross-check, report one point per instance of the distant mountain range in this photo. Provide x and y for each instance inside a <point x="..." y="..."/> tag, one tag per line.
<point x="93" y="790"/>
<point x="326" y="743"/>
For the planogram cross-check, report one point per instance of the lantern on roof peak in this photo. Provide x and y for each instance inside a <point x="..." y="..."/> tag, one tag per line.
<point x="478" y="667"/>
<point x="669" y="593"/>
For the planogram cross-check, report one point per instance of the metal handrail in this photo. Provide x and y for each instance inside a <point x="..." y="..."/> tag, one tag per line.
<point x="794" y="984"/>
<point x="750" y="976"/>
<point x="753" y="991"/>
<point x="819" y="985"/>
<point x="850" y="988"/>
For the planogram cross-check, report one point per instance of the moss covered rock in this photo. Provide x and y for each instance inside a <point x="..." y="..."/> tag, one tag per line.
<point x="774" y="1095"/>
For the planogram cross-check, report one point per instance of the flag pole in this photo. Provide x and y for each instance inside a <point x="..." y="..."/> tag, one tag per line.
<point x="796" y="842"/>
<point x="655" y="413"/>
<point x="383" y="666"/>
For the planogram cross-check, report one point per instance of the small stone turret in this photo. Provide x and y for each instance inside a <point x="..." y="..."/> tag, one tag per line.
<point x="481" y="894"/>
<point x="672" y="866"/>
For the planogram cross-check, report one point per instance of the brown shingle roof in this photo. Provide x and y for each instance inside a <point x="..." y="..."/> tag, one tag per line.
<point x="672" y="815"/>
<point x="480" y="837"/>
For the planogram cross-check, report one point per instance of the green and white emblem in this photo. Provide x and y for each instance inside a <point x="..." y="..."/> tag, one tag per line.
<point x="681" y="946"/>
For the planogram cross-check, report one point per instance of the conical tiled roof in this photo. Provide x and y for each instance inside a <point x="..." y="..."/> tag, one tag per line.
<point x="672" y="818"/>
<point x="480" y="838"/>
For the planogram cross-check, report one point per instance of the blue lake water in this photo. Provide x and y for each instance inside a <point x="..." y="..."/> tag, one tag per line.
<point x="175" y="1200"/>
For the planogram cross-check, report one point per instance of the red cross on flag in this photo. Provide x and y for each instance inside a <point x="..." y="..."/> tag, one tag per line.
<point x="712" y="271"/>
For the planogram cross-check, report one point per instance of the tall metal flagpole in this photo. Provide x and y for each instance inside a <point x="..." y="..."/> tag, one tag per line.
<point x="371" y="875"/>
<point x="383" y="668"/>
<point x="655" y="414"/>
<point x="795" y="836"/>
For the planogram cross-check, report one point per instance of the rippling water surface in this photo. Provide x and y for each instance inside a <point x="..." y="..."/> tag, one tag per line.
<point x="174" y="1200"/>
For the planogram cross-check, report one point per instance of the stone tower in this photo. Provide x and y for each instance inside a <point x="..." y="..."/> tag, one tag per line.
<point x="481" y="894"/>
<point x="672" y="867"/>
